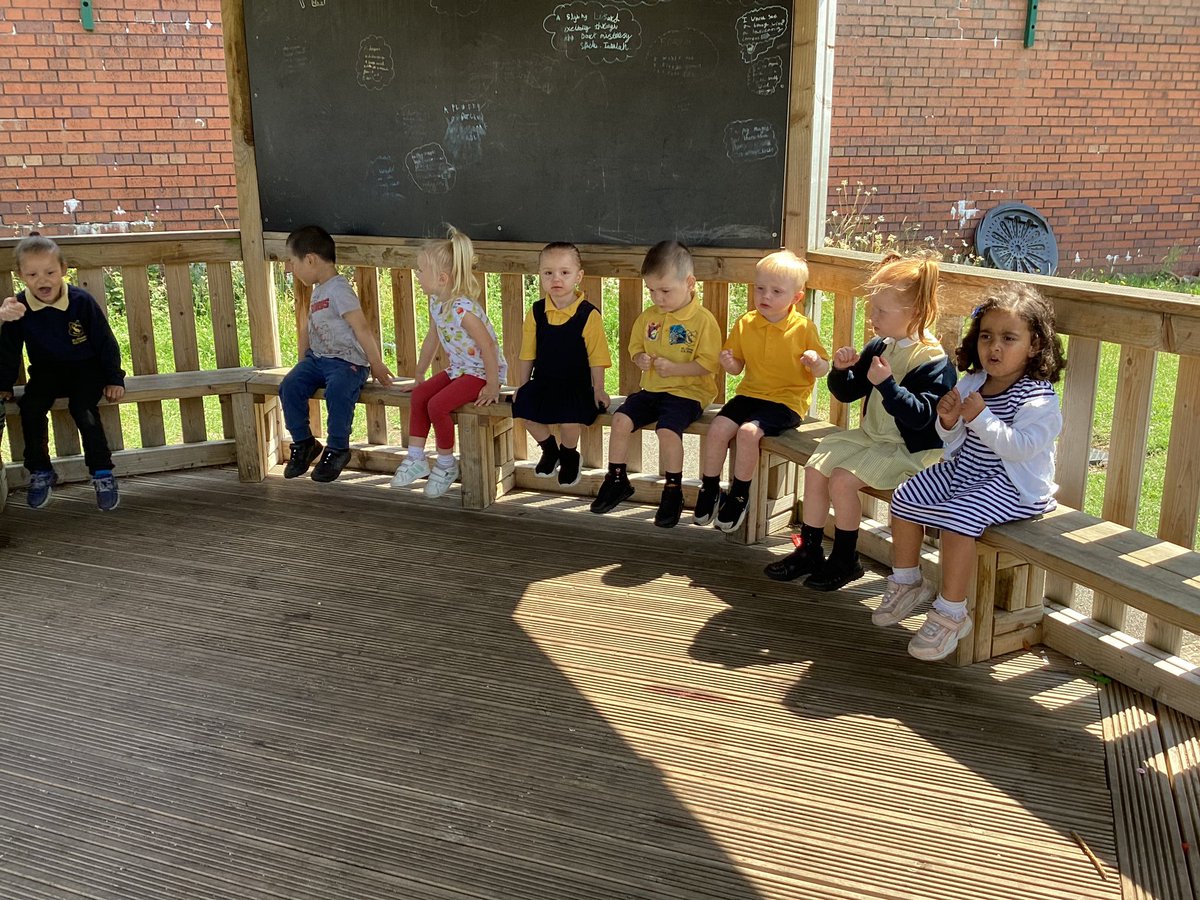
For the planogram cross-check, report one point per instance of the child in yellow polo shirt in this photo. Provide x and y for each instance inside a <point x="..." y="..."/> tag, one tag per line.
<point x="781" y="354"/>
<point x="675" y="343"/>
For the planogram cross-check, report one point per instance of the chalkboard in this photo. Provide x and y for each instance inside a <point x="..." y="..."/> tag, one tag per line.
<point x="516" y="120"/>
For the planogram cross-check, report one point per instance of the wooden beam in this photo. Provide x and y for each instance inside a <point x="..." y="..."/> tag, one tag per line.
<point x="112" y="250"/>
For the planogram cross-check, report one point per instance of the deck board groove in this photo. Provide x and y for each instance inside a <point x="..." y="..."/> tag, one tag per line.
<point x="578" y="708"/>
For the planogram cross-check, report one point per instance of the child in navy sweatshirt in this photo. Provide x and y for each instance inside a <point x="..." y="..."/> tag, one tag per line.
<point x="72" y="353"/>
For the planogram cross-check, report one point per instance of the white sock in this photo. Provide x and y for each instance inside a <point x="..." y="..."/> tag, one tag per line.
<point x="907" y="575"/>
<point x="956" y="611"/>
<point x="416" y="451"/>
<point x="445" y="460"/>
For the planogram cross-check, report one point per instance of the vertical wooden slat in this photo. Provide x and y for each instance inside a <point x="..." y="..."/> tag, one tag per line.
<point x="223" y="311"/>
<point x="843" y="336"/>
<point x="367" y="280"/>
<point x="631" y="304"/>
<point x="1181" y="480"/>
<point x="303" y="295"/>
<point x="92" y="281"/>
<point x="404" y="311"/>
<point x="185" y="347"/>
<point x="136" y="281"/>
<point x="985" y="603"/>
<point x="512" y="315"/>
<point x="716" y="301"/>
<point x="949" y="333"/>
<point x="1075" y="441"/>
<point x="591" y="442"/>
<point x="1127" y="457"/>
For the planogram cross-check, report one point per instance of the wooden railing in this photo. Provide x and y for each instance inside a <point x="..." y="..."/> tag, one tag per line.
<point x="1145" y="324"/>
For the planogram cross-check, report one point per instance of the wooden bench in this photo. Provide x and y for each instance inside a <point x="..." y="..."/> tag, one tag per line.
<point x="485" y="441"/>
<point x="144" y="389"/>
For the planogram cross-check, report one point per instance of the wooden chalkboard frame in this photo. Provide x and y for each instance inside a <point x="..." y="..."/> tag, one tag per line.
<point x="805" y="185"/>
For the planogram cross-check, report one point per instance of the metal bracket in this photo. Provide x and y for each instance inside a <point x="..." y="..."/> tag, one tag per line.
<point x="1030" y="22"/>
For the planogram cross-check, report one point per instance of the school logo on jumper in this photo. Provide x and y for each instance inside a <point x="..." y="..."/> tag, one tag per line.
<point x="678" y="335"/>
<point x="652" y="330"/>
<point x="320" y="305"/>
<point x="75" y="330"/>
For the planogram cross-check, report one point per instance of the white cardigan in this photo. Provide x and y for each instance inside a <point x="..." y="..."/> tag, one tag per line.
<point x="1026" y="447"/>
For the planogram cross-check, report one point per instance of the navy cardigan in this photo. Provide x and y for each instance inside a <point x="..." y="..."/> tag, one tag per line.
<point x="912" y="403"/>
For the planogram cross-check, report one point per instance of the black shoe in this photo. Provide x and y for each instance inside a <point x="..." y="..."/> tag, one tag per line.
<point x="303" y="454"/>
<point x="611" y="493"/>
<point x="801" y="561"/>
<point x="331" y="465"/>
<point x="568" y="467"/>
<point x="670" y="507"/>
<point x="548" y="463"/>
<point x="706" y="505"/>
<point x="835" y="575"/>
<point x="732" y="512"/>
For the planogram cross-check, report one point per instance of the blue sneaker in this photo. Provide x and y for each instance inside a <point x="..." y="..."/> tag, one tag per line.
<point x="108" y="497"/>
<point x="41" y="488"/>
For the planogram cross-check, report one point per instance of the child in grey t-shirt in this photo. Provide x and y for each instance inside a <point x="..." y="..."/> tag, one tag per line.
<point x="338" y="352"/>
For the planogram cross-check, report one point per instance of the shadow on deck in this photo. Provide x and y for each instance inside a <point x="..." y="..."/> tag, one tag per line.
<point x="298" y="691"/>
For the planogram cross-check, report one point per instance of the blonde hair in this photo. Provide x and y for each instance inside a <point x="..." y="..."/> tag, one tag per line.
<point x="785" y="264"/>
<point x="916" y="277"/>
<point x="455" y="256"/>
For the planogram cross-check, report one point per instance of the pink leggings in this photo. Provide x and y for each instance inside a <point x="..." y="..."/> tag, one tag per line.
<point x="435" y="399"/>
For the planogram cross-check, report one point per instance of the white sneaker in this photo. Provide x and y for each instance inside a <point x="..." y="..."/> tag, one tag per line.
<point x="899" y="600"/>
<point x="440" y="480"/>
<point x="409" y="471"/>
<point x="938" y="636"/>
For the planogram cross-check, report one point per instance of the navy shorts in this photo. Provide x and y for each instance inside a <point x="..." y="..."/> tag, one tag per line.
<point x="671" y="412"/>
<point x="773" y="418"/>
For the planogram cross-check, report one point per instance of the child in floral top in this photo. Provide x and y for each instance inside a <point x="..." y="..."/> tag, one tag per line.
<point x="475" y="370"/>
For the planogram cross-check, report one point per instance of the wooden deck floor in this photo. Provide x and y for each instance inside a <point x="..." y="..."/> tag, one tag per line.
<point x="297" y="691"/>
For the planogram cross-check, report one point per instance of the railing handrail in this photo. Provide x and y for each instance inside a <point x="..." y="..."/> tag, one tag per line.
<point x="145" y="248"/>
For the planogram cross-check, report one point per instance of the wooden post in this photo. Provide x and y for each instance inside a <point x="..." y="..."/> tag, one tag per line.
<point x="225" y="330"/>
<point x="630" y="290"/>
<point x="136" y="282"/>
<point x="843" y="336"/>
<point x="810" y="112"/>
<point x="185" y="347"/>
<point x="591" y="442"/>
<point x="512" y="313"/>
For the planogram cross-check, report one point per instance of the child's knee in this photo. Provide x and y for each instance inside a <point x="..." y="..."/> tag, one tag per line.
<point x="622" y="423"/>
<point x="748" y="435"/>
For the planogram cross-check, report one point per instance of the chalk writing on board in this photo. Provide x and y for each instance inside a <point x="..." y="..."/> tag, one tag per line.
<point x="683" y="53"/>
<point x="313" y="3"/>
<point x="465" y="129"/>
<point x="758" y="29"/>
<point x="384" y="177"/>
<point x="375" y="66"/>
<point x="747" y="140"/>
<point x="429" y="169"/>
<point x="597" y="32"/>
<point x="765" y="75"/>
<point x="457" y="7"/>
<point x="295" y="56"/>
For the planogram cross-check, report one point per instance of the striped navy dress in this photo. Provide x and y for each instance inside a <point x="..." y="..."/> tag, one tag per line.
<point x="971" y="490"/>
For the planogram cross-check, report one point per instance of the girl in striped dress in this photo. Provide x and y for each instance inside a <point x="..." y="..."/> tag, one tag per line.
<point x="999" y="426"/>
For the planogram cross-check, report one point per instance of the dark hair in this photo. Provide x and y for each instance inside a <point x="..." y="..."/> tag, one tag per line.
<point x="312" y="239"/>
<point x="1025" y="301"/>
<point x="668" y="258"/>
<point x="35" y="243"/>
<point x="564" y="246"/>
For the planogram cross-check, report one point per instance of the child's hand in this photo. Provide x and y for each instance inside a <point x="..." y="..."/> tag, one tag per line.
<point x="11" y="309"/>
<point x="409" y="388"/>
<point x="663" y="366"/>
<point x="972" y="406"/>
<point x="729" y="362"/>
<point x="880" y="371"/>
<point x="489" y="395"/>
<point x="6" y="395"/>
<point x="113" y="392"/>
<point x="950" y="409"/>
<point x="601" y="397"/>
<point x="643" y="361"/>
<point x="382" y="374"/>
<point x="811" y="360"/>
<point x="845" y="357"/>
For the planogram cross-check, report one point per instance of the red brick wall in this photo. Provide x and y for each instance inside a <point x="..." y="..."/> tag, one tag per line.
<point x="936" y="102"/>
<point x="133" y="115"/>
<point x="1097" y="125"/>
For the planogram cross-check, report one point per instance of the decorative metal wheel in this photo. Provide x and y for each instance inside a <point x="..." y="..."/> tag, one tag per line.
<point x="1017" y="238"/>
